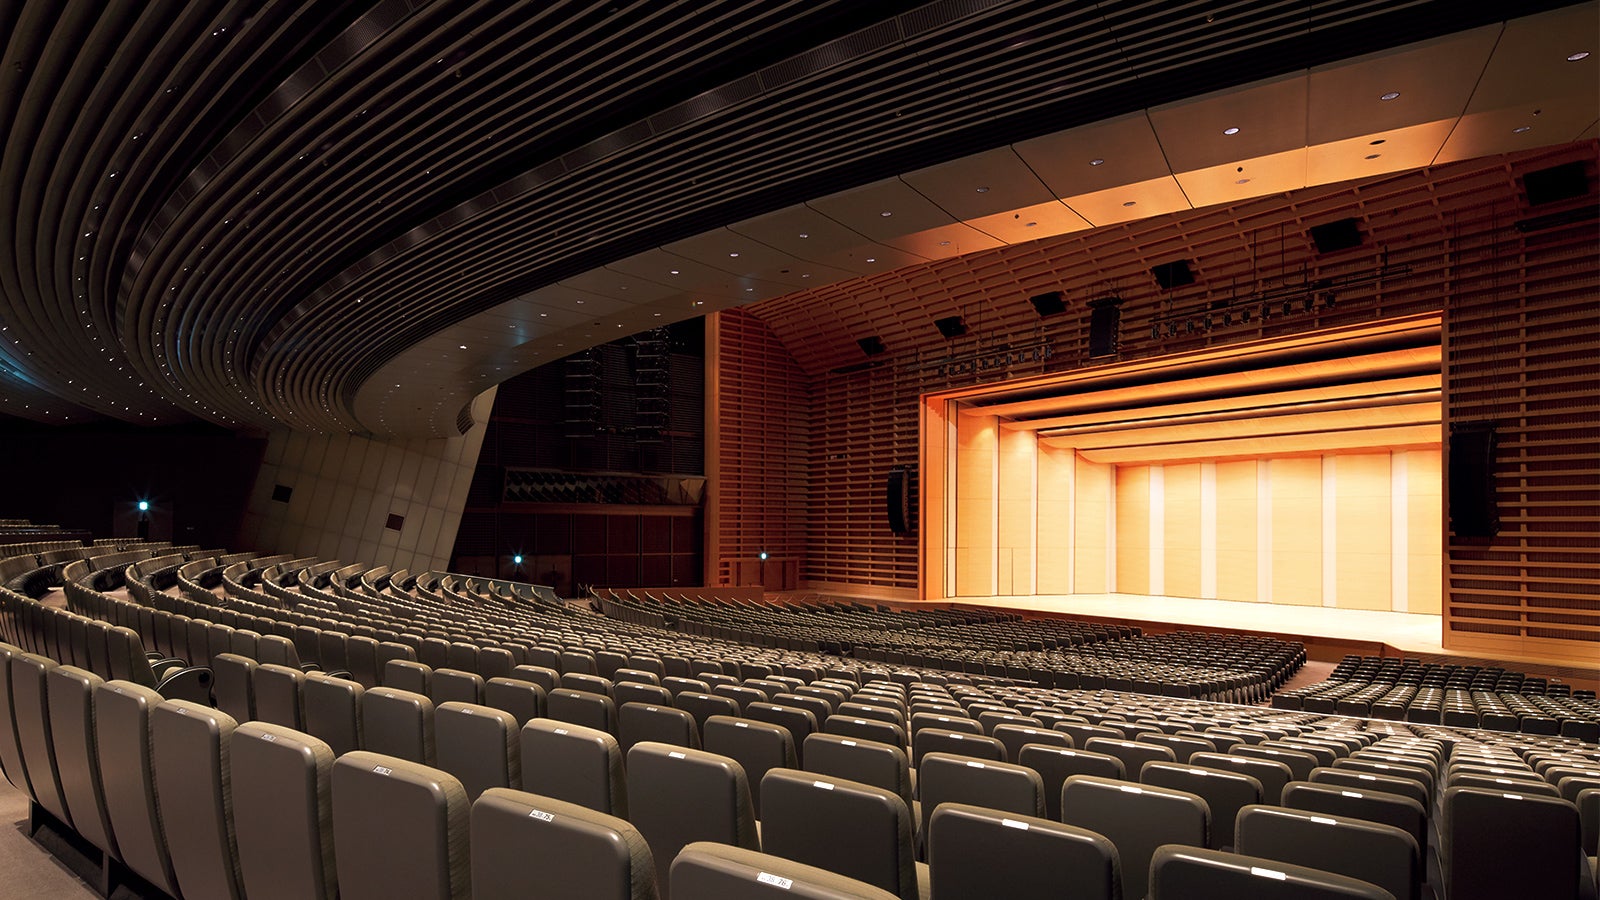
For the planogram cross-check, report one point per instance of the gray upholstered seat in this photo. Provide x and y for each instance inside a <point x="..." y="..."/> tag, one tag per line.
<point x="398" y="723"/>
<point x="583" y="708"/>
<point x="31" y="710"/>
<point x="1272" y="775"/>
<point x="333" y="711"/>
<point x="625" y="692"/>
<point x="190" y="747"/>
<point x="800" y="722"/>
<point x="1056" y="764"/>
<point x="407" y="675"/>
<point x="1191" y="873"/>
<point x="280" y="695"/>
<point x="869" y="762"/>
<point x="233" y="686"/>
<point x="703" y="706"/>
<point x="1134" y="754"/>
<point x="425" y="860"/>
<point x="456" y="686"/>
<point x="528" y="845"/>
<point x="479" y="745"/>
<point x="122" y="722"/>
<point x="865" y="729"/>
<point x="1136" y="818"/>
<point x="77" y="750"/>
<point x="573" y="763"/>
<point x="546" y="677"/>
<point x="1370" y="781"/>
<point x="846" y="827"/>
<point x="960" y="743"/>
<point x="1359" y="802"/>
<point x="10" y="747"/>
<point x="709" y="871"/>
<point x="524" y="700"/>
<point x="976" y="853"/>
<point x="1504" y="844"/>
<point x="1299" y="762"/>
<point x="757" y="746"/>
<point x="639" y="722"/>
<point x="679" y="795"/>
<point x="1006" y="787"/>
<point x="1015" y="737"/>
<point x="1381" y="854"/>
<point x="282" y="812"/>
<point x="1225" y="793"/>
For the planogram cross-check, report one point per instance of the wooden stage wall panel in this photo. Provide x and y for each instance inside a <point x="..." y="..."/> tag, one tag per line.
<point x="1363" y="509"/>
<point x="1296" y="517"/>
<point x="1238" y="553"/>
<point x="1056" y="547"/>
<point x="1092" y="511"/>
<point x="977" y="443"/>
<point x="1424" y="527"/>
<point x="1182" y="529"/>
<point x="1133" y="529"/>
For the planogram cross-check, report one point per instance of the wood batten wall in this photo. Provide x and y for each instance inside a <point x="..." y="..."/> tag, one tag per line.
<point x="758" y="455"/>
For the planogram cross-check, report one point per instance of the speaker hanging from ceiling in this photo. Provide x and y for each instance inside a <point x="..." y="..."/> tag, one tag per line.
<point x="1105" y="326"/>
<point x="951" y="327"/>
<point x="1049" y="304"/>
<point x="898" y="496"/>
<point x="1473" y="509"/>
<point x="1340" y="234"/>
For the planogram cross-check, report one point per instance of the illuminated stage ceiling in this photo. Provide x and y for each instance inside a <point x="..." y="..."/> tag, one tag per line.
<point x="356" y="216"/>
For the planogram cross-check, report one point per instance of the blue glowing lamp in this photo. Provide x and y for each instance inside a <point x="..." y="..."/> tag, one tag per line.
<point x="144" y="506"/>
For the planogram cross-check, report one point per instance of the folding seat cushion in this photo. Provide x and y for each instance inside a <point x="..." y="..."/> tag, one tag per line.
<point x="679" y="795"/>
<point x="573" y="763"/>
<point x="30" y="706"/>
<point x="545" y="677"/>
<point x="1364" y="850"/>
<point x="1272" y="775"/>
<point x="1191" y="873"/>
<point x="757" y="746"/>
<point x="479" y="745"/>
<point x="398" y="723"/>
<point x="582" y="708"/>
<point x="70" y="696"/>
<point x="946" y="778"/>
<point x="282" y="813"/>
<point x="1137" y="819"/>
<point x="1225" y="793"/>
<point x="190" y="748"/>
<point x="1504" y="844"/>
<point x="868" y="762"/>
<point x="710" y="871"/>
<point x="524" y="700"/>
<point x="233" y="685"/>
<point x="625" y="692"/>
<point x="846" y="827"/>
<point x="976" y="853"/>
<point x="425" y="860"/>
<point x="640" y="722"/>
<point x="454" y="685"/>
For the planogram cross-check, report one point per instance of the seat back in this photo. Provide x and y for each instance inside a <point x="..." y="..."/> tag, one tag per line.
<point x="1396" y="810"/>
<point x="1368" y="851"/>
<point x="1006" y="787"/>
<point x="479" y="745"/>
<point x="1225" y="793"/>
<point x="960" y="743"/>
<point x="573" y="763"/>
<point x="1300" y="763"/>
<point x="283" y="813"/>
<point x="1189" y="873"/>
<point x="408" y="675"/>
<point x="30" y="706"/>
<point x="868" y="762"/>
<point x="10" y="741"/>
<point x="757" y="746"/>
<point x="524" y="700"/>
<point x="1368" y="781"/>
<point x="846" y="827"/>
<point x="582" y="708"/>
<point x="398" y="723"/>
<point x="70" y="693"/>
<point x="333" y="711"/>
<point x="1503" y="844"/>
<point x="1136" y="818"/>
<point x="280" y="696"/>
<point x="979" y="852"/>
<point x="679" y="795"/>
<point x="425" y="860"/>
<point x="800" y="723"/>
<point x="710" y="871"/>
<point x="1134" y="754"/>
<point x="703" y="706"/>
<point x="624" y="692"/>
<point x="1272" y="775"/>
<point x="233" y="685"/>
<point x="1056" y="764"/>
<point x="1015" y="737"/>
<point x="569" y="850"/>
<point x="545" y="677"/>
<point x="639" y="722"/>
<point x="456" y="686"/>
<point x="190" y="745"/>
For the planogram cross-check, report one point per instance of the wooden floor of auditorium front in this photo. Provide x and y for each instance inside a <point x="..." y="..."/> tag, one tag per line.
<point x="1408" y="633"/>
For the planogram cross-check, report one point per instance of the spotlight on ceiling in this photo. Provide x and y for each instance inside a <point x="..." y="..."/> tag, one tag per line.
<point x="951" y="327"/>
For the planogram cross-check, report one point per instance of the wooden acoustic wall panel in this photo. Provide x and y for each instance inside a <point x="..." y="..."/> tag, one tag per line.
<point x="1424" y="530"/>
<point x="1237" y="547"/>
<point x="1094" y="511"/>
<point x="1522" y="344"/>
<point x="762" y="433"/>
<point x="1133" y="529"/>
<point x="1422" y="220"/>
<point x="1363" y="558"/>
<point x="1055" y="544"/>
<point x="1182" y="530"/>
<point x="976" y="506"/>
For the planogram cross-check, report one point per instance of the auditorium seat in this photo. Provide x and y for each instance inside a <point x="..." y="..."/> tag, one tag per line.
<point x="565" y="849"/>
<point x="1299" y="762"/>
<point x="1002" y="786"/>
<point x="868" y="762"/>
<point x="865" y="729"/>
<point x="679" y="795"/>
<point x="583" y="708"/>
<point x="76" y="744"/>
<point x="1367" y="782"/>
<point x="960" y="743"/>
<point x="333" y="711"/>
<point x="800" y="723"/>
<point x="1225" y="793"/>
<point x="640" y="722"/>
<point x="122" y="720"/>
<point x="757" y="746"/>
<point x="190" y="747"/>
<point x="233" y="685"/>
<point x="409" y="676"/>
<point x="1134" y="754"/>
<point x="1015" y="737"/>
<point x="1056" y="764"/>
<point x="976" y="853"/>
<point x="852" y="829"/>
<point x="456" y="686"/>
<point x="426" y="860"/>
<point x="709" y="871"/>
<point x="479" y="745"/>
<point x="399" y="724"/>
<point x="573" y="763"/>
<point x="1270" y="774"/>
<point x="282" y="808"/>
<point x="1137" y="819"/>
<point x="31" y="709"/>
<point x="1368" y="851"/>
<point x="1497" y="844"/>
<point x="546" y="677"/>
<point x="1186" y="873"/>
<point x="703" y="705"/>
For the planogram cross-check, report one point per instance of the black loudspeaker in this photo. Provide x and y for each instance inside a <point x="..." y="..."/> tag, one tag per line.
<point x="1105" y="326"/>
<point x="1048" y="304"/>
<point x="1562" y="182"/>
<point x="899" y="500"/>
<point x="1341" y="234"/>
<point x="1173" y="274"/>
<point x="950" y="326"/>
<point x="1473" y="513"/>
<point x="871" y="346"/>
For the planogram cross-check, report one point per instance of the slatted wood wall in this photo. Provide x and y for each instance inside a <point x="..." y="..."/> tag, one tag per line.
<point x="1451" y="227"/>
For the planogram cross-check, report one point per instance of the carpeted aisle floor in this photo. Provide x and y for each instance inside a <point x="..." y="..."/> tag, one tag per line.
<point x="28" y="871"/>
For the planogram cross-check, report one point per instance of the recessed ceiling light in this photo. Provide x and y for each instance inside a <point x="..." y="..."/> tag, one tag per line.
<point x="872" y="259"/>
<point x="1376" y="142"/>
<point x="1392" y="95"/>
<point x="1231" y="129"/>
<point x="983" y="190"/>
<point x="674" y="271"/>
<point x="1373" y="155"/>
<point x="733" y="256"/>
<point x="1242" y="181"/>
<point x="1029" y="224"/>
<point x="1097" y="162"/>
<point x="886" y="214"/>
<point x="1522" y="129"/>
<point x="804" y="235"/>
<point x="1130" y="203"/>
<point x="1574" y="57"/>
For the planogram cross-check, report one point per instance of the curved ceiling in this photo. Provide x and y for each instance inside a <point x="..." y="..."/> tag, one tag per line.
<point x="356" y="216"/>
